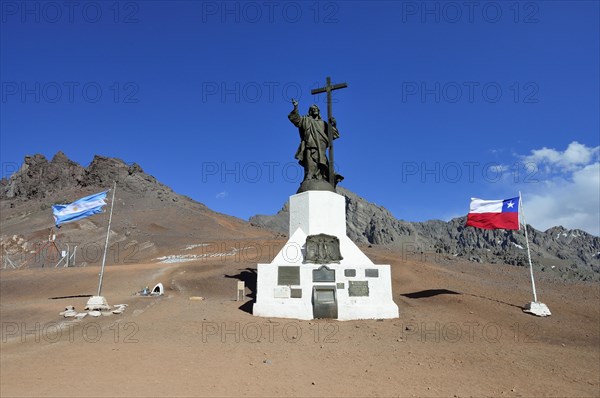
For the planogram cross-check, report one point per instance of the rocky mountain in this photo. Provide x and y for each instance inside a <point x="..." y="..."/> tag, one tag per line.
<point x="149" y="219"/>
<point x="570" y="254"/>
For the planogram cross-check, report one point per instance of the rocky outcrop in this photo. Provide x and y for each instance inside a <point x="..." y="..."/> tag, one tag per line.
<point x="149" y="218"/>
<point x="37" y="178"/>
<point x="278" y="223"/>
<point x="41" y="179"/>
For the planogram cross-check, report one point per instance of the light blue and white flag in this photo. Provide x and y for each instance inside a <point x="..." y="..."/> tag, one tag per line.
<point x="79" y="209"/>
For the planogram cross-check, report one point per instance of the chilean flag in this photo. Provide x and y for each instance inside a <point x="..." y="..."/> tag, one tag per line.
<point x="494" y="214"/>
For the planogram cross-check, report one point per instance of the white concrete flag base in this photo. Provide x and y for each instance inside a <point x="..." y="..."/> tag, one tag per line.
<point x="313" y="213"/>
<point x="537" y="308"/>
<point x="97" y="303"/>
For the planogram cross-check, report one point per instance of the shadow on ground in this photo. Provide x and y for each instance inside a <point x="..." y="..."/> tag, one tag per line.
<point x="428" y="293"/>
<point x="437" y="292"/>
<point x="248" y="276"/>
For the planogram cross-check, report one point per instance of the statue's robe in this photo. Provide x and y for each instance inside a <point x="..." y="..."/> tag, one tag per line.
<point x="313" y="136"/>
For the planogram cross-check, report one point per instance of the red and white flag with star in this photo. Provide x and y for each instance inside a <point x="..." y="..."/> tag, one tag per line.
<point x="494" y="214"/>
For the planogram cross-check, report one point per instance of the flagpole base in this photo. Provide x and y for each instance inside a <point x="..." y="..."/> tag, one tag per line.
<point x="537" y="308"/>
<point x="97" y="303"/>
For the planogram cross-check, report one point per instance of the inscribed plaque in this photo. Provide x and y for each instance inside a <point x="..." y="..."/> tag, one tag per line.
<point x="372" y="273"/>
<point x="358" y="288"/>
<point x="288" y="276"/>
<point x="323" y="274"/>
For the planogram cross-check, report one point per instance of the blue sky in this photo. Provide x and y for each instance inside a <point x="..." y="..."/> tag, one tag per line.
<point x="445" y="100"/>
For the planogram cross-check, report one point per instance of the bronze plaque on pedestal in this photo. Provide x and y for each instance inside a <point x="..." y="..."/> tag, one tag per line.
<point x="322" y="249"/>
<point x="323" y="274"/>
<point x="358" y="288"/>
<point x="372" y="273"/>
<point x="288" y="276"/>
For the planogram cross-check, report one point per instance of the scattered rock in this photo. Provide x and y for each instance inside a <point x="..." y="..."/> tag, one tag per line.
<point x="69" y="314"/>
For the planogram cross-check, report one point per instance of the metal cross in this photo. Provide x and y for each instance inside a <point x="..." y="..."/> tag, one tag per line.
<point x="328" y="89"/>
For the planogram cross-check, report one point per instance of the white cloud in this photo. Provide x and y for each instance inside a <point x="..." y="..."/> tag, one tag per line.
<point x="575" y="156"/>
<point x="222" y="195"/>
<point x="499" y="169"/>
<point x="567" y="191"/>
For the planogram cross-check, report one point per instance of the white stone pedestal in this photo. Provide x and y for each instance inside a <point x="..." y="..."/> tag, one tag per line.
<point x="358" y="288"/>
<point x="97" y="303"/>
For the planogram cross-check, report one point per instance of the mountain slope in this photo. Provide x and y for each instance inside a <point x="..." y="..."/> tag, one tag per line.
<point x="149" y="219"/>
<point x="566" y="253"/>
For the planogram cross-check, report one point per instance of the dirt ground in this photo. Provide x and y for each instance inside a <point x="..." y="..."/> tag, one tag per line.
<point x="461" y="332"/>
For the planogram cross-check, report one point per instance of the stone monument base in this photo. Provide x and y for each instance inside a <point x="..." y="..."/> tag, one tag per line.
<point x="294" y="286"/>
<point x="97" y="303"/>
<point x="537" y="308"/>
<point x="315" y="185"/>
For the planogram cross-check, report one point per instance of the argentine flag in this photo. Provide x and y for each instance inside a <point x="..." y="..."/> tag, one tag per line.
<point x="79" y="209"/>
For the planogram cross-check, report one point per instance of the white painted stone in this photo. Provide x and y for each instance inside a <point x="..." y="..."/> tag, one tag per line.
<point x="158" y="290"/>
<point x="318" y="212"/>
<point x="97" y="303"/>
<point x="537" y="308"/>
<point x="312" y="213"/>
<point x="281" y="292"/>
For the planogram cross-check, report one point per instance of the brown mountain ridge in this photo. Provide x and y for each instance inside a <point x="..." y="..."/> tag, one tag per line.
<point x="152" y="221"/>
<point x="149" y="220"/>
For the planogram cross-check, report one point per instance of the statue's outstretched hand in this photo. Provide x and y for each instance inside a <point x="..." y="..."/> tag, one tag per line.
<point x="333" y="121"/>
<point x="294" y="102"/>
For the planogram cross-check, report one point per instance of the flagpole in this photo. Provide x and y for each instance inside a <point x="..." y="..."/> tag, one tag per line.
<point x="522" y="208"/>
<point x="112" y="204"/>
